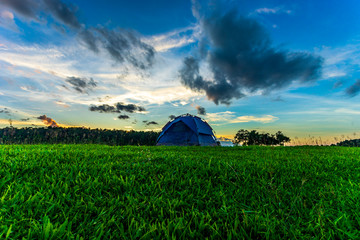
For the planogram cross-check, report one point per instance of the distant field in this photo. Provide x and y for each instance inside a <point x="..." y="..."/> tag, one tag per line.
<point x="103" y="192"/>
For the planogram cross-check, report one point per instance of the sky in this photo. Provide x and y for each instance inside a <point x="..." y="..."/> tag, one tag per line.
<point x="267" y="65"/>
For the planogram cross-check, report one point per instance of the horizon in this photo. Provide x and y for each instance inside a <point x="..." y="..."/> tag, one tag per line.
<point x="256" y="65"/>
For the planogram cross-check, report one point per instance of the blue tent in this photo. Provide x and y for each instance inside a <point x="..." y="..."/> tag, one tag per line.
<point x="187" y="130"/>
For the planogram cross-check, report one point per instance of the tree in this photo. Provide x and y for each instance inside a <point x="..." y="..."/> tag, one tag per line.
<point x="246" y="138"/>
<point x="281" y="138"/>
<point x="241" y="137"/>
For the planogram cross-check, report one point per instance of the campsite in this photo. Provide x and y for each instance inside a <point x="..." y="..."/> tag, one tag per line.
<point x="181" y="119"/>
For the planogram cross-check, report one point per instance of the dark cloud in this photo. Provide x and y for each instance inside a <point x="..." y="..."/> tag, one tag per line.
<point x="90" y="40"/>
<point x="82" y="85"/>
<point x="354" y="89"/>
<point x="121" y="44"/>
<point x="241" y="58"/>
<point x="130" y="108"/>
<point x="117" y="108"/>
<point x="278" y="99"/>
<point x="6" y="111"/>
<point x="123" y="117"/>
<point x="27" y="8"/>
<point x="63" y="12"/>
<point x="48" y="121"/>
<point x="25" y="119"/>
<point x="34" y="9"/>
<point x="201" y="110"/>
<point x="104" y="108"/>
<point x="338" y="84"/>
<point x="172" y="117"/>
<point x="151" y="123"/>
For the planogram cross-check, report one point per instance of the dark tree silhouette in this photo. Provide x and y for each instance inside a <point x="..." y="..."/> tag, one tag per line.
<point x="55" y="135"/>
<point x="253" y="137"/>
<point x="348" y="143"/>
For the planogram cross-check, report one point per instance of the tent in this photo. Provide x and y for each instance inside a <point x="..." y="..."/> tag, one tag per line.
<point x="187" y="130"/>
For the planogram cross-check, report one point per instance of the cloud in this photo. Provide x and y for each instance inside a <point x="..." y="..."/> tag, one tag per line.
<point x="25" y="119"/>
<point x="104" y="108"/>
<point x="48" y="121"/>
<point x="200" y="110"/>
<point x="60" y="103"/>
<point x="63" y="12"/>
<point x="222" y="138"/>
<point x="6" y="111"/>
<point x="220" y="116"/>
<point x="81" y="85"/>
<point x="263" y="119"/>
<point x="34" y="9"/>
<point x="151" y="123"/>
<point x="17" y="122"/>
<point x="278" y="99"/>
<point x="354" y="89"/>
<point x="275" y="10"/>
<point x="172" y="117"/>
<point x="267" y="10"/>
<point x="90" y="40"/>
<point x="7" y="21"/>
<point x="340" y="61"/>
<point x="117" y="108"/>
<point x="174" y="39"/>
<point x="230" y="117"/>
<point x="241" y="59"/>
<point x="131" y="108"/>
<point x="26" y="8"/>
<point x="121" y="44"/>
<point x="338" y="84"/>
<point x="123" y="117"/>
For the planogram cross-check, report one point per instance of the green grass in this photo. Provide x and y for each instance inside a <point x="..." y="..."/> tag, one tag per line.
<point x="103" y="192"/>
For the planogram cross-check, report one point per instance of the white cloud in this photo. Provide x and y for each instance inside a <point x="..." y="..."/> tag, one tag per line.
<point x="173" y="39"/>
<point x="347" y="111"/>
<point x="263" y="119"/>
<point x="60" y="103"/>
<point x="267" y="10"/>
<point x="339" y="62"/>
<point x="220" y="116"/>
<point x="276" y="10"/>
<point x="230" y="117"/>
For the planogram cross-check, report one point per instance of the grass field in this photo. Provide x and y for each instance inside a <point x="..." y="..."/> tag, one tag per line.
<point x="103" y="192"/>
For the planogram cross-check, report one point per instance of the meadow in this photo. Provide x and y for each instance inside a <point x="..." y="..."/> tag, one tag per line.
<point x="129" y="192"/>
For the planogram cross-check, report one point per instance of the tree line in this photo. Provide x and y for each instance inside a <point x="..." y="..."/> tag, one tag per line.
<point x="253" y="137"/>
<point x="76" y="135"/>
<point x="348" y="143"/>
<point x="81" y="135"/>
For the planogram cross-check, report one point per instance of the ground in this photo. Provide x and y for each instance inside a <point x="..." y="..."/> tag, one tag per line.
<point x="98" y="191"/>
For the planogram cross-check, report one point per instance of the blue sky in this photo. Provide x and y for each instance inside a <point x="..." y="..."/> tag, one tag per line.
<point x="266" y="65"/>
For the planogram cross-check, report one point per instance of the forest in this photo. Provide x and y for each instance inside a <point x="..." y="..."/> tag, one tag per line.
<point x="76" y="135"/>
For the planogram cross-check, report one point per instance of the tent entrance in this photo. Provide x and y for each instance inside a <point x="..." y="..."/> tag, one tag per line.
<point x="179" y="134"/>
